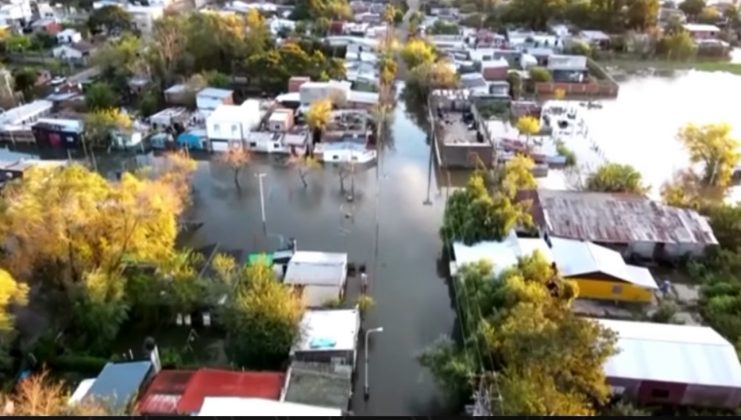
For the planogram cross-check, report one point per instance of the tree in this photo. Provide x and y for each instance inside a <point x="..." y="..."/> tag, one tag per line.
<point x="534" y="13"/>
<point x="515" y="84"/>
<point x="692" y="8"/>
<point x="24" y="79"/>
<point x="112" y="19"/>
<point x="712" y="146"/>
<point x="529" y="126"/>
<point x="11" y="293"/>
<point x="616" y="178"/>
<point x="100" y="96"/>
<point x="577" y="47"/>
<point x="318" y="117"/>
<point x="726" y="223"/>
<point x="417" y="52"/>
<point x="608" y="14"/>
<point x="304" y="164"/>
<point x="262" y="319"/>
<point x="709" y="15"/>
<point x="430" y="76"/>
<point x="18" y="43"/>
<point x="451" y="368"/>
<point x="119" y="60"/>
<point x="517" y="175"/>
<point x="441" y="27"/>
<point x="171" y="42"/>
<point x="100" y="123"/>
<point x="643" y="14"/>
<point x="236" y="157"/>
<point x="540" y="74"/>
<point x="677" y="46"/>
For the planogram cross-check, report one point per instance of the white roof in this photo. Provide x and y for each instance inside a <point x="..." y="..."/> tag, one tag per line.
<point x="289" y="97"/>
<point x="700" y="27"/>
<point x="81" y="390"/>
<point x="317" y="268"/>
<point x="574" y="257"/>
<point x="19" y="113"/>
<point x="363" y="97"/>
<point x="176" y="88"/>
<point x="69" y="124"/>
<point x="210" y="92"/>
<point x="259" y="407"/>
<point x="280" y="115"/>
<point x="672" y="353"/>
<point x="225" y="112"/>
<point x="595" y="35"/>
<point x="502" y="255"/>
<point x="328" y="330"/>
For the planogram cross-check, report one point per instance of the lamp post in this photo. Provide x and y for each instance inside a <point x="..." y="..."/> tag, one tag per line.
<point x="366" y="387"/>
<point x="260" y="176"/>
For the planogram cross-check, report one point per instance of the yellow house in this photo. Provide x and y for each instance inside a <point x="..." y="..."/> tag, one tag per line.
<point x="600" y="272"/>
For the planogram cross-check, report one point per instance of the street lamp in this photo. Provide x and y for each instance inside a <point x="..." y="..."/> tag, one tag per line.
<point x="260" y="176"/>
<point x="367" y="334"/>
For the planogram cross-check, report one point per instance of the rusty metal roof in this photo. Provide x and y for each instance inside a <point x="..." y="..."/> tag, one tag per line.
<point x="616" y="218"/>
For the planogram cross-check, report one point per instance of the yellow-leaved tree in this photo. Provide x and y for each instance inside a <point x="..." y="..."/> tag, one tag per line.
<point x="529" y="126"/>
<point x="417" y="52"/>
<point x="38" y="395"/>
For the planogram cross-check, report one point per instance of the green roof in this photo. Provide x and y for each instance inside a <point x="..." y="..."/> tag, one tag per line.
<point x="260" y="257"/>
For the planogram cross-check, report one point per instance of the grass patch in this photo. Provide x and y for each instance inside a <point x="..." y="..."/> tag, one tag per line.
<point x="710" y="66"/>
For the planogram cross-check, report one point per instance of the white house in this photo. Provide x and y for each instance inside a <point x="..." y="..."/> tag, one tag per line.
<point x="208" y="99"/>
<point x="702" y="31"/>
<point x="78" y="52"/>
<point x="328" y="336"/>
<point x="16" y="12"/>
<point x="69" y="36"/>
<point x="281" y="120"/>
<point x="318" y="276"/>
<point x="231" y="124"/>
<point x="143" y="17"/>
<point x="26" y="114"/>
<point x="260" y="407"/>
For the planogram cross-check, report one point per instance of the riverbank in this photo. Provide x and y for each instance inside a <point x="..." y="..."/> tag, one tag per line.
<point x="634" y="65"/>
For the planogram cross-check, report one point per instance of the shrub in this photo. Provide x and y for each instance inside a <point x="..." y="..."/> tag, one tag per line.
<point x="567" y="153"/>
<point x="666" y="311"/>
<point x="540" y="74"/>
<point x="78" y="363"/>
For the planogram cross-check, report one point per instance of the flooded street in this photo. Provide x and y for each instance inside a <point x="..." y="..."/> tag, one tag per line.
<point x="412" y="303"/>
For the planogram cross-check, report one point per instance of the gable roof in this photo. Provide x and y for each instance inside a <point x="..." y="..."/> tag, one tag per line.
<point x="575" y="258"/>
<point x="682" y="354"/>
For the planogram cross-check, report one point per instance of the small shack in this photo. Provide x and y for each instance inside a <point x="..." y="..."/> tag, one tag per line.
<point x="328" y="336"/>
<point x="117" y="384"/>
<point x="319" y="276"/>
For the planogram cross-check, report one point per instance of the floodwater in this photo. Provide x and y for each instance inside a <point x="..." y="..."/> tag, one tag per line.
<point x="640" y="126"/>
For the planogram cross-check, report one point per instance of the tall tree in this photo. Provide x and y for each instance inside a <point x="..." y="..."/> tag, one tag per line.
<point x="101" y="122"/>
<point x="529" y="126"/>
<point x="616" y="178"/>
<point x="643" y="14"/>
<point x="712" y="146"/>
<point x="535" y="13"/>
<point x="318" y="117"/>
<point x="111" y="18"/>
<point x="609" y="14"/>
<point x="692" y="8"/>
<point x="262" y="319"/>
<point x="417" y="52"/>
<point x="100" y="96"/>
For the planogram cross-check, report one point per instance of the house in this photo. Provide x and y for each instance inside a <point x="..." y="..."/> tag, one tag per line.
<point x="295" y="82"/>
<point x="259" y="407"/>
<point x="700" y="31"/>
<point x="596" y="39"/>
<point x="281" y="120"/>
<point x="143" y="17"/>
<point x="26" y="114"/>
<point x="69" y="36"/>
<point x="328" y="336"/>
<point x="319" y="276"/>
<point x="47" y="26"/>
<point x="208" y="99"/>
<point x="264" y="141"/>
<point x="634" y="224"/>
<point x="318" y="384"/>
<point x="568" y="68"/>
<point x="58" y="133"/>
<point x="117" y="384"/>
<point x="193" y="139"/>
<point x="77" y="53"/>
<point x="178" y="95"/>
<point x="16" y="13"/>
<point x="496" y="69"/>
<point x="170" y="117"/>
<point x="600" y="273"/>
<point x="230" y="124"/>
<point x="206" y="383"/>
<point x="673" y="364"/>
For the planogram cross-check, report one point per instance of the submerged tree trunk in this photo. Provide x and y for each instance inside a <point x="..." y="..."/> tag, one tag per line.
<point x="302" y="176"/>
<point x="236" y="179"/>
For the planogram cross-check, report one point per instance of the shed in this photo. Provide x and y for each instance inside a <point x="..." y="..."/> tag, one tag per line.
<point x="169" y="117"/>
<point x="319" y="384"/>
<point x="178" y="95"/>
<point x="328" y="336"/>
<point x="601" y="273"/>
<point x="210" y="98"/>
<point x="259" y="407"/>
<point x="119" y="383"/>
<point x="673" y="364"/>
<point x="194" y="139"/>
<point x="226" y="383"/>
<point x="320" y="276"/>
<point x="280" y="120"/>
<point x="164" y="392"/>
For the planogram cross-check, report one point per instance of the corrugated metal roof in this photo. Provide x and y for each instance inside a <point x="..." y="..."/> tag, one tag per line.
<point x="227" y="383"/>
<point x="616" y="218"/>
<point x="574" y="258"/>
<point x="672" y="353"/>
<point x="317" y="268"/>
<point x="164" y="392"/>
<point x="118" y="383"/>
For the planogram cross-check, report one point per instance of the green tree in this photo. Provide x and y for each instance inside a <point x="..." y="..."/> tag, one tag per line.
<point x="616" y="178"/>
<point x="677" y="46"/>
<point x="441" y="27"/>
<point x="100" y="95"/>
<point x="111" y="19"/>
<point x="709" y="15"/>
<point x="540" y="74"/>
<point x="18" y="43"/>
<point x="515" y="84"/>
<point x="417" y="52"/>
<point x="712" y="146"/>
<point x="24" y="79"/>
<point x="726" y="223"/>
<point x="452" y="368"/>
<point x="262" y="319"/>
<point x="643" y="14"/>
<point x="100" y="123"/>
<point x="692" y="8"/>
<point x="608" y="14"/>
<point x="120" y="59"/>
<point x="535" y="13"/>
<point x="579" y="48"/>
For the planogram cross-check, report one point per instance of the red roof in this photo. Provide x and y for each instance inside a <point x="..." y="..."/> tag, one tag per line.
<point x="164" y="392"/>
<point x="226" y="383"/>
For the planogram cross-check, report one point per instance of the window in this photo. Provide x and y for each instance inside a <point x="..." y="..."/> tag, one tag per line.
<point x="659" y="393"/>
<point x="335" y="157"/>
<point x="276" y="145"/>
<point x="234" y="128"/>
<point x="216" y="127"/>
<point x="617" y="289"/>
<point x="253" y="144"/>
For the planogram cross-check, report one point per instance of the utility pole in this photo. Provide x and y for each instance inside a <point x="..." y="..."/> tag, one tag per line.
<point x="366" y="386"/>
<point x="260" y="176"/>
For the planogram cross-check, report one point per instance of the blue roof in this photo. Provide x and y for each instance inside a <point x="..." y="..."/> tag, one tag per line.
<point x="118" y="383"/>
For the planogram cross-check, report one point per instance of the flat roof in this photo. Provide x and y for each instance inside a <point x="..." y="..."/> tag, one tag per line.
<point x="700" y="27"/>
<point x="164" y="392"/>
<point x="226" y="383"/>
<point x="616" y="218"/>
<point x="258" y="407"/>
<point x="328" y="330"/>
<point x="14" y="115"/>
<point x="319" y="384"/>
<point x="317" y="268"/>
<point x="215" y="93"/>
<point x="684" y="354"/>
